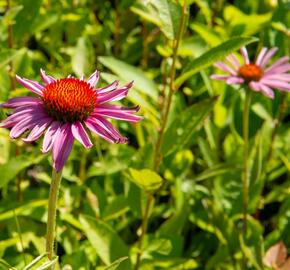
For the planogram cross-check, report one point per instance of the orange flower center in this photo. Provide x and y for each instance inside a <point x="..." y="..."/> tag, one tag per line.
<point x="251" y="72"/>
<point x="69" y="100"/>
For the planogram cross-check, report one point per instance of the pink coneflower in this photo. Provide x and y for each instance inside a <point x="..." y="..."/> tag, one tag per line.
<point x="255" y="74"/>
<point x="64" y="109"/>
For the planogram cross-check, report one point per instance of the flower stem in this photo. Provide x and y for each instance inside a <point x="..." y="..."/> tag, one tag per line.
<point x="149" y="203"/>
<point x="176" y="41"/>
<point x="52" y="203"/>
<point x="246" y="173"/>
<point x="164" y="117"/>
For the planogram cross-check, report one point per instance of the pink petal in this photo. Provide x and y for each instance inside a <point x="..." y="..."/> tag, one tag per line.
<point x="109" y="128"/>
<point x="284" y="86"/>
<point x="267" y="91"/>
<point x="50" y="136"/>
<point x="281" y="61"/>
<point x="20" y="101"/>
<point x="278" y="77"/>
<point x="114" y="95"/>
<point x="255" y="86"/>
<point x="94" y="78"/>
<point x="119" y="115"/>
<point x="94" y="127"/>
<point x="225" y="68"/>
<point x="38" y="129"/>
<point x="235" y="80"/>
<point x="232" y="59"/>
<point x="46" y="78"/>
<point x="81" y="135"/>
<point x="108" y="88"/>
<point x="268" y="56"/>
<point x="219" y="77"/>
<point x="31" y="85"/>
<point x="117" y="108"/>
<point x="261" y="55"/>
<point x="62" y="147"/>
<point x="20" y="127"/>
<point x="278" y="69"/>
<point x="244" y="53"/>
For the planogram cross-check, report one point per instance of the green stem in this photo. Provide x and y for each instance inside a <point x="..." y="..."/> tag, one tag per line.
<point x="149" y="203"/>
<point x="246" y="173"/>
<point x="157" y="156"/>
<point x="51" y="220"/>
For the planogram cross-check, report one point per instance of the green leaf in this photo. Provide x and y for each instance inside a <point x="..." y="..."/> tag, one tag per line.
<point x="244" y="24"/>
<point x="182" y="127"/>
<point x="15" y="165"/>
<point x="7" y="55"/>
<point x="23" y="210"/>
<point x="129" y="73"/>
<point x="163" y="13"/>
<point x="42" y="262"/>
<point x="207" y="34"/>
<point x="83" y="57"/>
<point x="106" y="242"/>
<point x="6" y="265"/>
<point x="116" y="264"/>
<point x="211" y="56"/>
<point x="169" y="13"/>
<point x="160" y="245"/>
<point x="146" y="179"/>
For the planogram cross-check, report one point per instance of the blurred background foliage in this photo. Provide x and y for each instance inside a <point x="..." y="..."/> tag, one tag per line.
<point x="195" y="222"/>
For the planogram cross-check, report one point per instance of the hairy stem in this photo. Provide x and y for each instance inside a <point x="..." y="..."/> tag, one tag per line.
<point x="51" y="220"/>
<point x="246" y="172"/>
<point x="164" y="119"/>
<point x="149" y="203"/>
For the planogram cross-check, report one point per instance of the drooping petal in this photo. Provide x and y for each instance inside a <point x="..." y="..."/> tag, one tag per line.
<point x="94" y="127"/>
<point x="62" y="146"/>
<point x="20" y="101"/>
<point x="94" y="78"/>
<point x="34" y="86"/>
<point x="235" y="80"/>
<point x="244" y="53"/>
<point x="284" y="86"/>
<point x="268" y="56"/>
<point x="80" y="134"/>
<point x="46" y="78"/>
<point x="22" y="126"/>
<point x="118" y="114"/>
<point x="219" y="77"/>
<point x="279" y="77"/>
<point x="50" y="136"/>
<point x="108" y="88"/>
<point x="266" y="91"/>
<point x="255" y="86"/>
<point x="38" y="129"/>
<point x="109" y="128"/>
<point x="225" y="67"/>
<point x="114" y="95"/>
<point x="261" y="56"/>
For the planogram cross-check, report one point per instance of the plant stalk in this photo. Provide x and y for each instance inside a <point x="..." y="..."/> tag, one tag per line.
<point x="246" y="172"/>
<point x="51" y="220"/>
<point x="149" y="203"/>
<point x="164" y="116"/>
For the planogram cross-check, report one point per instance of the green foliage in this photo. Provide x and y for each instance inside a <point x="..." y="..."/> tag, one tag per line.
<point x="195" y="216"/>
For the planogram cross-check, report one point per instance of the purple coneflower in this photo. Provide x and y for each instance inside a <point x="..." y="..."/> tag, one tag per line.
<point x="256" y="75"/>
<point x="64" y="109"/>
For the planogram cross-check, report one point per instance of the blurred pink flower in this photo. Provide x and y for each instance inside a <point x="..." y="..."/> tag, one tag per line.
<point x="64" y="109"/>
<point x="256" y="75"/>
